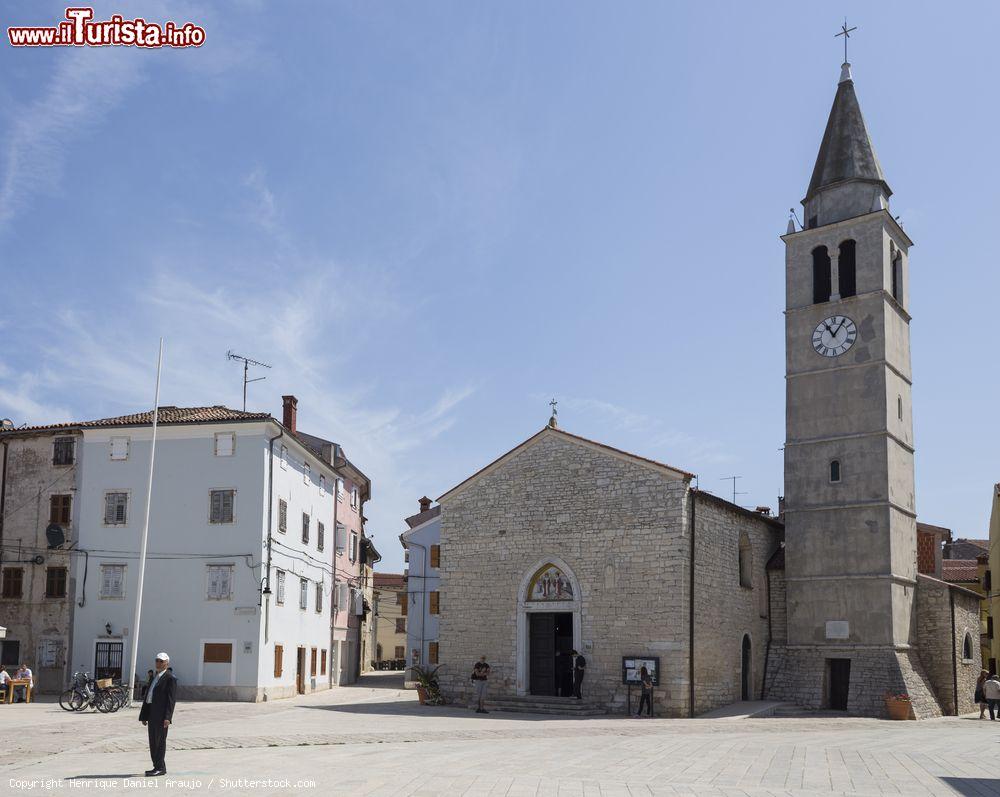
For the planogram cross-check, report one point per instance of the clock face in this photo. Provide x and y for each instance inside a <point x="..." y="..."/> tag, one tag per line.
<point x="834" y="336"/>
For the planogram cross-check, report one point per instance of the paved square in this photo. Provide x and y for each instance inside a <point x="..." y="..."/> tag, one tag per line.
<point x="374" y="739"/>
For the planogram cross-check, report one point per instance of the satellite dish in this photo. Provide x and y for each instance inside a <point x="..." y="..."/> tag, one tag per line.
<point x="38" y="560"/>
<point x="6" y="425"/>
<point x="55" y="535"/>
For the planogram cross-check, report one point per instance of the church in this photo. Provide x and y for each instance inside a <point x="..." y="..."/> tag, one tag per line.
<point x="565" y="543"/>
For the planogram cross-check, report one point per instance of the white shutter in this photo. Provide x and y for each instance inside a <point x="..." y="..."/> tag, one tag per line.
<point x="109" y="509"/>
<point x="112" y="578"/>
<point x="281" y="586"/>
<point x="225" y="583"/>
<point x="213" y="582"/>
<point x="341" y="535"/>
<point x="119" y="447"/>
<point x="225" y="444"/>
<point x="359" y="602"/>
<point x="305" y="472"/>
<point x="343" y="597"/>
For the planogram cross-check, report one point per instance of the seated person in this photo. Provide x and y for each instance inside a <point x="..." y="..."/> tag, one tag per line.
<point x="23" y="674"/>
<point x="4" y="682"/>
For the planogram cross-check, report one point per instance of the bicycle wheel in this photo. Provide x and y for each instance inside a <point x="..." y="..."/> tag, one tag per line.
<point x="118" y="695"/>
<point x="66" y="700"/>
<point x="104" y="701"/>
<point x="79" y="701"/>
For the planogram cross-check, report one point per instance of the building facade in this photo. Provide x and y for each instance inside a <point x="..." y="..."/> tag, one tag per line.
<point x="390" y="620"/>
<point x="993" y="566"/>
<point x="423" y="583"/>
<point x="39" y="514"/>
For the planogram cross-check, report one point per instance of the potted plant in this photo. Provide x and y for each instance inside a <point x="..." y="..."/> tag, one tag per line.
<point x="428" y="690"/>
<point x="900" y="707"/>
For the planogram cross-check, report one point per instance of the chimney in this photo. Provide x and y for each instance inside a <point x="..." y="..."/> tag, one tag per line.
<point x="425" y="504"/>
<point x="289" y="410"/>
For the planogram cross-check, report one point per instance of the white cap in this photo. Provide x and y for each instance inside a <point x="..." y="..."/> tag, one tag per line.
<point x="161" y="656"/>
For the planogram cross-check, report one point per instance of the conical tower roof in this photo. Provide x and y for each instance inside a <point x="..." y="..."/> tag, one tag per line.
<point x="847" y="152"/>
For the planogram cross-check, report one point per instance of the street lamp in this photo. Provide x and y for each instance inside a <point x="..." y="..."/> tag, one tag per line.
<point x="107" y="627"/>
<point x="265" y="589"/>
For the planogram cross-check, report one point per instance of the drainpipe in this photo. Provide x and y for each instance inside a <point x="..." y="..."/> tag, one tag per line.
<point x="692" y="494"/>
<point x="270" y="515"/>
<point x="954" y="651"/>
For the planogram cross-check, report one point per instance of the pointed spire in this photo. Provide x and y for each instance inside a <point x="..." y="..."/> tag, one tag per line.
<point x="847" y="152"/>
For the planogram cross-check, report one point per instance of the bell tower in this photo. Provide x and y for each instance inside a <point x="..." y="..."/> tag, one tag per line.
<point x="850" y="517"/>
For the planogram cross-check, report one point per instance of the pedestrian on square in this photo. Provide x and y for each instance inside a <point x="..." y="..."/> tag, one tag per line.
<point x="157" y="713"/>
<point x="646" y="682"/>
<point x="480" y="679"/>
<point x="991" y="691"/>
<point x="149" y="680"/>
<point x="979" y="698"/>
<point x="579" y="670"/>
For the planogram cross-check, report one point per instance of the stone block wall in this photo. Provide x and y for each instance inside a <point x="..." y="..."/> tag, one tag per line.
<point x="941" y="640"/>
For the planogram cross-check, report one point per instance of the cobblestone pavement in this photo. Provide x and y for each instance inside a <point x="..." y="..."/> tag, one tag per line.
<point x="373" y="739"/>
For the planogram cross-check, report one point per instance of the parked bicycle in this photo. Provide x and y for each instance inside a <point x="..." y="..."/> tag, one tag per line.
<point x="103" y="695"/>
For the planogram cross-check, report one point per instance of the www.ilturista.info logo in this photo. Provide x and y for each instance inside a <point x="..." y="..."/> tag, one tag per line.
<point x="79" y="30"/>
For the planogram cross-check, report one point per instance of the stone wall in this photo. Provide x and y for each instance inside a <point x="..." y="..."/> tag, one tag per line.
<point x="726" y="611"/>
<point x="618" y="525"/>
<point x="941" y="647"/>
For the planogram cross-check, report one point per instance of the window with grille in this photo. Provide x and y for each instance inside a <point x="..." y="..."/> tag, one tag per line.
<point x="279" y="654"/>
<point x="60" y="509"/>
<point x="320" y="536"/>
<point x="279" y="587"/>
<point x="63" y="451"/>
<point x="112" y="581"/>
<point x="13" y="582"/>
<point x="119" y="448"/>
<point x="322" y="662"/>
<point x="115" y="509"/>
<point x="220" y="582"/>
<point x="221" y="506"/>
<point x="55" y="582"/>
<point x="305" y="527"/>
<point x="400" y="625"/>
<point x="225" y="444"/>
<point x="303" y="593"/>
<point x="435" y="601"/>
<point x="319" y="598"/>
<point x="435" y="556"/>
<point x="282" y="515"/>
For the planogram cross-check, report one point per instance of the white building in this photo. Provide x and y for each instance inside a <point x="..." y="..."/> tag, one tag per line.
<point x="239" y="581"/>
<point x="423" y="555"/>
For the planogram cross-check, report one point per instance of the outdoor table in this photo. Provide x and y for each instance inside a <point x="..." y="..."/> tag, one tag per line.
<point x="14" y="682"/>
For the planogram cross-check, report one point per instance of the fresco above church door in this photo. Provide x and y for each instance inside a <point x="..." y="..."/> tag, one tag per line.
<point x="550" y="584"/>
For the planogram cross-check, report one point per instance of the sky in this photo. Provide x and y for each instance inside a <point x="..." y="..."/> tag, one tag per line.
<point x="433" y="218"/>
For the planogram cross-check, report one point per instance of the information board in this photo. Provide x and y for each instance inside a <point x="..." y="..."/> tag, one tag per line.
<point x="632" y="665"/>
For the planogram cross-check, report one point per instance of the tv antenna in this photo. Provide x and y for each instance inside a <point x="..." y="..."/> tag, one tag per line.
<point x="733" y="478"/>
<point x="247" y="362"/>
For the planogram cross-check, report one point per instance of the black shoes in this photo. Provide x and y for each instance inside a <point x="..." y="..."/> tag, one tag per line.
<point x="151" y="773"/>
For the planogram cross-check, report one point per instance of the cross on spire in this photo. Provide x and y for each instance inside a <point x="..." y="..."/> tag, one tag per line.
<point x="555" y="412"/>
<point x="846" y="33"/>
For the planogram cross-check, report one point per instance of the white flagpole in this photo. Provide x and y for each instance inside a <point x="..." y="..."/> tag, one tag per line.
<point x="130" y="684"/>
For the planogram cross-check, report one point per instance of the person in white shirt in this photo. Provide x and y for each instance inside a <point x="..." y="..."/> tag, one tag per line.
<point x="23" y="674"/>
<point x="991" y="691"/>
<point x="4" y="682"/>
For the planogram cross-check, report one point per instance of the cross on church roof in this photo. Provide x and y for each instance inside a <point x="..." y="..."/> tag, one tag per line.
<point x="555" y="412"/>
<point x="846" y="33"/>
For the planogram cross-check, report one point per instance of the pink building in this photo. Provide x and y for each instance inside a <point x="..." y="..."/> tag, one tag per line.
<point x="353" y="488"/>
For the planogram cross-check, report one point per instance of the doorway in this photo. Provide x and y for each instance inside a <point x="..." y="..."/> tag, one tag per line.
<point x="745" y="687"/>
<point x="108" y="660"/>
<point x="300" y="671"/>
<point x="550" y="640"/>
<point x="838" y="679"/>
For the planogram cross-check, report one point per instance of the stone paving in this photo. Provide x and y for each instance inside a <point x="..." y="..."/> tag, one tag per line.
<point x="373" y="739"/>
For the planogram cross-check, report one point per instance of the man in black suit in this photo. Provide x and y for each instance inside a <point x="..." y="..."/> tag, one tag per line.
<point x="579" y="670"/>
<point x="157" y="712"/>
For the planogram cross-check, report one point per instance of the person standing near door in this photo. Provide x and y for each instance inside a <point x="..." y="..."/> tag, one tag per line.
<point x="480" y="676"/>
<point x="646" y="683"/>
<point x="157" y="713"/>
<point x="579" y="670"/>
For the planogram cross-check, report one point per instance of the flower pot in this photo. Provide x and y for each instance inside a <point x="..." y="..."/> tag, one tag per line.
<point x="422" y="694"/>
<point x="899" y="709"/>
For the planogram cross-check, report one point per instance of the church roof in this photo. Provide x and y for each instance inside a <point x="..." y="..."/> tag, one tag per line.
<point x="959" y="571"/>
<point x="846" y="152"/>
<point x="553" y="430"/>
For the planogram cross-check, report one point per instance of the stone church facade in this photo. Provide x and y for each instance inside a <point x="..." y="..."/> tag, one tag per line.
<point x="566" y="543"/>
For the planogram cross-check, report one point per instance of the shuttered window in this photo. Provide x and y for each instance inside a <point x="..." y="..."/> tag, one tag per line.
<point x="320" y="536"/>
<point x="322" y="662"/>
<point x="119" y="447"/>
<point x="400" y="651"/>
<point x="13" y="582"/>
<point x="303" y="593"/>
<point x="435" y="556"/>
<point x="115" y="509"/>
<point x="280" y="587"/>
<point x="319" y="598"/>
<point x="112" y="581"/>
<point x="60" y="509"/>
<point x="225" y="444"/>
<point x="432" y="652"/>
<point x="340" y="537"/>
<point x="220" y="582"/>
<point x="218" y="653"/>
<point x="343" y="597"/>
<point x="279" y="653"/>
<point x="312" y="662"/>
<point x="55" y="582"/>
<point x="305" y="527"/>
<point x="354" y="546"/>
<point x="400" y="625"/>
<point x="63" y="451"/>
<point x="404" y="605"/>
<point x="221" y="506"/>
<point x="282" y="515"/>
<point x="435" y="602"/>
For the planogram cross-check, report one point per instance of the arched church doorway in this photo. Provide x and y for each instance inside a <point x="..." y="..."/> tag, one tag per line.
<point x="746" y="686"/>
<point x="548" y="629"/>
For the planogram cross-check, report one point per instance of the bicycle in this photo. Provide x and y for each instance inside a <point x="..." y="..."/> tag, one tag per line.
<point x="80" y="695"/>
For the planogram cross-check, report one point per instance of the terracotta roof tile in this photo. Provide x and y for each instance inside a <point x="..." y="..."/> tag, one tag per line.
<point x="961" y="571"/>
<point x="167" y="415"/>
<point x="390" y="580"/>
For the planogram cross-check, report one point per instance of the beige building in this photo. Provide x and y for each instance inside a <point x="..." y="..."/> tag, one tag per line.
<point x="390" y="620"/>
<point x="993" y="566"/>
<point x="39" y="524"/>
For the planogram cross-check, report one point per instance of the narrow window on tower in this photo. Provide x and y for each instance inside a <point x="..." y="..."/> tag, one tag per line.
<point x="897" y="277"/>
<point x="848" y="270"/>
<point x="835" y="471"/>
<point x="821" y="275"/>
<point x="899" y="407"/>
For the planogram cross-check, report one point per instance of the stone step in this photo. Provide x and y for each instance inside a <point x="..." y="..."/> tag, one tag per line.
<point x="540" y="708"/>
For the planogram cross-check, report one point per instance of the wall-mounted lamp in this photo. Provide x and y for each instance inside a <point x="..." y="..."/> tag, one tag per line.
<point x="265" y="589"/>
<point x="107" y="627"/>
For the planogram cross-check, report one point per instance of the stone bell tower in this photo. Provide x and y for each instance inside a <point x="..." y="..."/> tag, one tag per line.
<point x="850" y="518"/>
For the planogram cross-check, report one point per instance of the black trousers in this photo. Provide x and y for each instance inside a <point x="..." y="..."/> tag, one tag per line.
<point x="994" y="707"/>
<point x="577" y="684"/>
<point x="157" y="743"/>
<point x="647" y="701"/>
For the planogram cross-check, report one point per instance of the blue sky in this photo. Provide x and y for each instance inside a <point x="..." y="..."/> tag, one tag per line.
<point x="431" y="218"/>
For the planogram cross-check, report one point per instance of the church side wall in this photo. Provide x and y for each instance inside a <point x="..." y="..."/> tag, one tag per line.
<point x="620" y="529"/>
<point x="725" y="611"/>
<point x="941" y="651"/>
